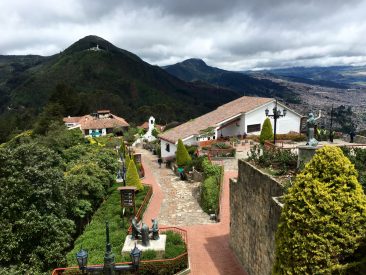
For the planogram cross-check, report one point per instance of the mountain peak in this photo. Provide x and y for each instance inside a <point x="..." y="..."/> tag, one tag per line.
<point x="194" y="62"/>
<point x="91" y="41"/>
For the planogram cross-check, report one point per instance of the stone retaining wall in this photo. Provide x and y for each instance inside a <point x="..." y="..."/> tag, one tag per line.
<point x="254" y="216"/>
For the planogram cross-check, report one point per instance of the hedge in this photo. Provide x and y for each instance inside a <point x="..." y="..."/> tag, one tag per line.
<point x="210" y="189"/>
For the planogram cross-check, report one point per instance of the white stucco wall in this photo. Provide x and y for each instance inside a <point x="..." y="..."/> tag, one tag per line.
<point x="291" y="122"/>
<point x="164" y="153"/>
<point x="173" y="147"/>
<point x="102" y="131"/>
<point x="190" y="141"/>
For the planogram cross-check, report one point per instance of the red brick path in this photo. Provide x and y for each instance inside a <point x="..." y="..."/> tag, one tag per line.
<point x="208" y="244"/>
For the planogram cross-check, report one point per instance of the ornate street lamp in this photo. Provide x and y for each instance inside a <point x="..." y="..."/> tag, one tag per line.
<point x="276" y="115"/>
<point x="109" y="266"/>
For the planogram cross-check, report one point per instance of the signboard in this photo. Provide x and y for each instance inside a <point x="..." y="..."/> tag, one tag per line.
<point x="128" y="197"/>
<point x="137" y="158"/>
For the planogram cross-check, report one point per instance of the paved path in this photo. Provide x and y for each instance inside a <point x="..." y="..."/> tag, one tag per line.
<point x="180" y="206"/>
<point x="208" y="244"/>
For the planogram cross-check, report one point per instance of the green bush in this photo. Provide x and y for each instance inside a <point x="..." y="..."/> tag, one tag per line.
<point x="198" y="163"/>
<point x="266" y="132"/>
<point x="210" y="195"/>
<point x="358" y="157"/>
<point x="132" y="176"/>
<point x="182" y="156"/>
<point x="323" y="222"/>
<point x="291" y="136"/>
<point x="174" y="245"/>
<point x="280" y="159"/>
<point x="211" y="170"/>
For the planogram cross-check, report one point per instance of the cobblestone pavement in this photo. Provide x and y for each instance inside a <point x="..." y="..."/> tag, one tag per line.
<point x="208" y="243"/>
<point x="231" y="164"/>
<point x="180" y="204"/>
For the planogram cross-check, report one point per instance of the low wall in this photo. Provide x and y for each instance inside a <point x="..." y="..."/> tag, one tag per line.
<point x="254" y="216"/>
<point x="360" y="139"/>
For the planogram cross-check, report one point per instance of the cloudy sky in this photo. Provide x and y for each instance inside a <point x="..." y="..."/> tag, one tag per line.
<point x="231" y="34"/>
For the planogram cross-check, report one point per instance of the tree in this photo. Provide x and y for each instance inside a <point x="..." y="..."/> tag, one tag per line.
<point x="323" y="221"/>
<point x="182" y="156"/>
<point x="132" y="177"/>
<point x="52" y="112"/>
<point x="267" y="131"/>
<point x="127" y="160"/>
<point x="34" y="229"/>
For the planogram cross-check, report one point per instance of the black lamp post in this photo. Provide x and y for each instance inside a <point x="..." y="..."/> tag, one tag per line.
<point x="276" y="115"/>
<point x="124" y="173"/>
<point x="109" y="264"/>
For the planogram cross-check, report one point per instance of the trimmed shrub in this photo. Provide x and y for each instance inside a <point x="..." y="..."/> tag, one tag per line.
<point x="210" y="195"/>
<point x="323" y="222"/>
<point x="127" y="160"/>
<point x="291" y="136"/>
<point x="132" y="176"/>
<point x="182" y="156"/>
<point x="267" y="131"/>
<point x="211" y="170"/>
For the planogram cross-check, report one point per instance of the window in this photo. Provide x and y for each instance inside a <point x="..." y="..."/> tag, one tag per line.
<point x="253" y="128"/>
<point x="167" y="147"/>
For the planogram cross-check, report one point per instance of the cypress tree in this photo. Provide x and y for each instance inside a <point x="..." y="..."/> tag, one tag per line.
<point x="127" y="160"/>
<point x="267" y="131"/>
<point x="182" y="156"/>
<point x="132" y="177"/>
<point x="323" y="221"/>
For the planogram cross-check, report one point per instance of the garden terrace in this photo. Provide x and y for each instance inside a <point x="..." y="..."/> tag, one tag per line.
<point x="175" y="258"/>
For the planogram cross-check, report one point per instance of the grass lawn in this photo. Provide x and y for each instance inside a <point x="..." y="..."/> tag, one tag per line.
<point x="93" y="237"/>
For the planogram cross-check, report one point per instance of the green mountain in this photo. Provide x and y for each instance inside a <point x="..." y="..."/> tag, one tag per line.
<point x="197" y="70"/>
<point x="94" y="74"/>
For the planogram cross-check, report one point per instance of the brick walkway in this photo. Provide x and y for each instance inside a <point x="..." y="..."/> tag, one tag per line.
<point x="208" y="244"/>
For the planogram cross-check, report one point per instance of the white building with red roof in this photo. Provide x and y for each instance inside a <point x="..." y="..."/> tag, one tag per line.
<point x="242" y="116"/>
<point x="101" y="123"/>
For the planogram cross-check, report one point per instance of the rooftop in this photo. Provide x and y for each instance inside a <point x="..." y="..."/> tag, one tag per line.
<point x="96" y="122"/>
<point x="193" y="127"/>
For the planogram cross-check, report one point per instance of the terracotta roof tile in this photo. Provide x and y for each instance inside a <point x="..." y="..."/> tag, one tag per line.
<point x="91" y="122"/>
<point x="228" y="110"/>
<point x="72" y="119"/>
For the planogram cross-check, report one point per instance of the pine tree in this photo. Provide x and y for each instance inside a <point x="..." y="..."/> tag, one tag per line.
<point x="132" y="177"/>
<point x="267" y="131"/>
<point x="323" y="221"/>
<point x="182" y="156"/>
<point x="127" y="160"/>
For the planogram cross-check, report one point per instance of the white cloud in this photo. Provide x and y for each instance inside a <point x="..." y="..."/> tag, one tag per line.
<point x="234" y="34"/>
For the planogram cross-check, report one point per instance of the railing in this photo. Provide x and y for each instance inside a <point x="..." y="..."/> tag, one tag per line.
<point x="148" y="266"/>
<point x="218" y="214"/>
<point x="143" y="205"/>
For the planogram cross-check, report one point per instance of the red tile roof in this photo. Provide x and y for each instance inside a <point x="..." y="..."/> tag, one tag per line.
<point x="145" y="126"/>
<point x="226" y="111"/>
<point x="91" y="122"/>
<point x="72" y="119"/>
